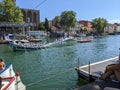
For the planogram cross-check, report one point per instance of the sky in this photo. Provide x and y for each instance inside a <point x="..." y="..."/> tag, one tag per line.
<point x="84" y="9"/>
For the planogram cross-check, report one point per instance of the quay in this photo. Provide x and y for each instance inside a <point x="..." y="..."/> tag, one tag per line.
<point x="93" y="71"/>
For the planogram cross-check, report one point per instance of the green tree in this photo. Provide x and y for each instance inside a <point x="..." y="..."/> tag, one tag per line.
<point x="57" y="21"/>
<point x="18" y="15"/>
<point x="46" y="24"/>
<point x="99" y="24"/>
<point x="1" y="11"/>
<point x="41" y="26"/>
<point x="12" y="13"/>
<point x="68" y="19"/>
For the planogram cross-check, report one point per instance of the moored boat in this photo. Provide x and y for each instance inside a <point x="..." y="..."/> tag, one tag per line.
<point x="10" y="81"/>
<point x="86" y="39"/>
<point x="25" y="45"/>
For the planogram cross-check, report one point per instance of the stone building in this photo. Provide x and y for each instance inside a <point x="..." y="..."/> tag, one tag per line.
<point x="31" y="20"/>
<point x="31" y="16"/>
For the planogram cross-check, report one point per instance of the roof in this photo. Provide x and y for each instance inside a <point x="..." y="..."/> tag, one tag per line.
<point x="16" y="24"/>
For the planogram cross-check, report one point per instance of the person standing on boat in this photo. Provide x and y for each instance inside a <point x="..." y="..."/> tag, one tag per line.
<point x="2" y="64"/>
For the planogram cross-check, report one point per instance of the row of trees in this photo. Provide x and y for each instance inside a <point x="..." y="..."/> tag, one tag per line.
<point x="67" y="19"/>
<point x="9" y="12"/>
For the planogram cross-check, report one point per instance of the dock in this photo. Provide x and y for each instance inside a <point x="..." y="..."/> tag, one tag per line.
<point x="93" y="71"/>
<point x="93" y="68"/>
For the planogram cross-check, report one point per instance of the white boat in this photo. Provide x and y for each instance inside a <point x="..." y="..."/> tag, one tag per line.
<point x="86" y="39"/>
<point x="25" y="45"/>
<point x="10" y="81"/>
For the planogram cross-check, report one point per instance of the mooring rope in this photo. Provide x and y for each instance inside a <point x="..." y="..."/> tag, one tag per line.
<point x="50" y="77"/>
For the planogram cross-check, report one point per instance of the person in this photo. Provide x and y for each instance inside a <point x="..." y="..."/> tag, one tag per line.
<point x="2" y="64"/>
<point x="112" y="69"/>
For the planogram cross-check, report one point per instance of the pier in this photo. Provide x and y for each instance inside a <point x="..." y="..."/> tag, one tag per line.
<point x="92" y="73"/>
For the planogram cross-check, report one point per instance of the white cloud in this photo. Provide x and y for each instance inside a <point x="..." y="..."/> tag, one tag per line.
<point x="114" y="21"/>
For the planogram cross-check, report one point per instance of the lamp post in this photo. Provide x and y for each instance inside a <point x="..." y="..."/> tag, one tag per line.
<point x="29" y="26"/>
<point x="119" y="53"/>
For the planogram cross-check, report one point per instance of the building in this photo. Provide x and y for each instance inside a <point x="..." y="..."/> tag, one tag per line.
<point x="31" y="16"/>
<point x="86" y="24"/>
<point x="31" y="20"/>
<point x="112" y="28"/>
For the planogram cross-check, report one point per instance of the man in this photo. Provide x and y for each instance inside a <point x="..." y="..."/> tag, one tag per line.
<point x="113" y="69"/>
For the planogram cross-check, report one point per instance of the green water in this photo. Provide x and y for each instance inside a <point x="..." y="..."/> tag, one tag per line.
<point x="54" y="68"/>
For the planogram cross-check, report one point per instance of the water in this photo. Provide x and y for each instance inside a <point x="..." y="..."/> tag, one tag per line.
<point x="54" y="68"/>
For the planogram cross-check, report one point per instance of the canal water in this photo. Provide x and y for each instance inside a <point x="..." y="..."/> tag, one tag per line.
<point x="54" y="68"/>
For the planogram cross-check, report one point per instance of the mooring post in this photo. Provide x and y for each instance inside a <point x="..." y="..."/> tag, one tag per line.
<point x="78" y="63"/>
<point x="119" y="53"/>
<point x="78" y="70"/>
<point x="89" y="72"/>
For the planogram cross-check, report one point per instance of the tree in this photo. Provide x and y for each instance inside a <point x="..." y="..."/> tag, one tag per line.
<point x="99" y="24"/>
<point x="68" y="19"/>
<point x="46" y="24"/>
<point x="1" y="11"/>
<point x="41" y="26"/>
<point x="57" y="21"/>
<point x="18" y="15"/>
<point x="11" y="12"/>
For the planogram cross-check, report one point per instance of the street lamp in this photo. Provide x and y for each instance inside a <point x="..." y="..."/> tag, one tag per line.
<point x="29" y="26"/>
<point x="119" y="53"/>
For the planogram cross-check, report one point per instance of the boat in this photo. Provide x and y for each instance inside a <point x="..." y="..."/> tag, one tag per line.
<point x="86" y="39"/>
<point x="10" y="80"/>
<point x="25" y="45"/>
<point x="35" y="40"/>
<point x="6" y="39"/>
<point x="4" y="42"/>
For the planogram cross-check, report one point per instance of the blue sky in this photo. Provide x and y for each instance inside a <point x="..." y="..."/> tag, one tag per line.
<point x="85" y="9"/>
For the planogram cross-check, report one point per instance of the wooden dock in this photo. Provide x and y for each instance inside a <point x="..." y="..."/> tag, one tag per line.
<point x="94" y="68"/>
<point x="92" y="72"/>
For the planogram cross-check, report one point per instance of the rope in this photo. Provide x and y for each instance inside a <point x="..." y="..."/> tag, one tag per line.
<point x="40" y="3"/>
<point x="50" y="77"/>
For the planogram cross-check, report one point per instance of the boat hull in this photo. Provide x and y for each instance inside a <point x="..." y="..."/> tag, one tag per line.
<point x="10" y="80"/>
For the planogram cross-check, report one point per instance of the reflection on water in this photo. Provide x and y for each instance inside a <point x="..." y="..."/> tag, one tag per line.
<point x="54" y="68"/>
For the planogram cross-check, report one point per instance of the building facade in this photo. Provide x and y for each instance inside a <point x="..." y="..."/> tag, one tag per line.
<point x="31" y="16"/>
